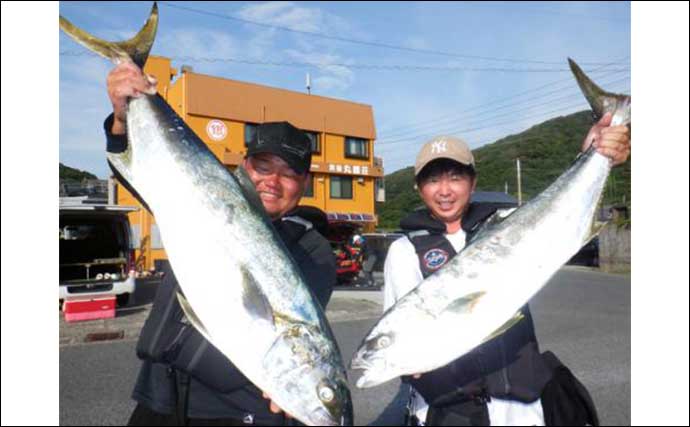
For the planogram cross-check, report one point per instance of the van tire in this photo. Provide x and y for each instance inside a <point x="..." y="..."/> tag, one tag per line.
<point x="122" y="300"/>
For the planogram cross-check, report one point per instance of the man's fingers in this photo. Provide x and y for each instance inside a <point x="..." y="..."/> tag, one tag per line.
<point x="127" y="87"/>
<point x="130" y="76"/>
<point x="152" y="82"/>
<point x="617" y="156"/>
<point x="605" y="120"/>
<point x="272" y="406"/>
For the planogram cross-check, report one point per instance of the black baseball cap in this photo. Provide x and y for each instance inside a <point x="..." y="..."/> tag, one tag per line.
<point x="285" y="141"/>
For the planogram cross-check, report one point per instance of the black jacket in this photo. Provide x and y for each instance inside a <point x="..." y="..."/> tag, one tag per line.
<point x="508" y="366"/>
<point x="211" y="395"/>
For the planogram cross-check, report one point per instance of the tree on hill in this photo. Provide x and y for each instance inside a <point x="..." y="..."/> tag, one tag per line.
<point x="70" y="174"/>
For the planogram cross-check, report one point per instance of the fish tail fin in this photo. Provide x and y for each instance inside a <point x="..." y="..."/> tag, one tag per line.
<point x="135" y="49"/>
<point x="600" y="100"/>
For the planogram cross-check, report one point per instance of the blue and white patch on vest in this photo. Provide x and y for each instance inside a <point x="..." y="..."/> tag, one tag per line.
<point x="435" y="258"/>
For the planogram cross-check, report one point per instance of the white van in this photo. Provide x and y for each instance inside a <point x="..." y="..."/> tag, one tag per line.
<point x="96" y="257"/>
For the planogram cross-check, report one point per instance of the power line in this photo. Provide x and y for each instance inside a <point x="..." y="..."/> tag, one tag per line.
<point x="437" y="122"/>
<point x="442" y="131"/>
<point x="397" y="154"/>
<point x="495" y="125"/>
<point x="518" y="95"/>
<point x="403" y="67"/>
<point x="364" y="42"/>
<point x="524" y="8"/>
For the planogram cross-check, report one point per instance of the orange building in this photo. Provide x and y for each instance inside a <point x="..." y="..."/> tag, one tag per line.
<point x="346" y="177"/>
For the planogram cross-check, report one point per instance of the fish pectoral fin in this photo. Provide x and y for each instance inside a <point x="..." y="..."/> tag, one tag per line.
<point x="465" y="304"/>
<point x="503" y="328"/>
<point x="253" y="298"/>
<point x="492" y="222"/>
<point x="191" y="316"/>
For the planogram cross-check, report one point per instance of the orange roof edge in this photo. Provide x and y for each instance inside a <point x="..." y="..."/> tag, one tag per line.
<point x="249" y="102"/>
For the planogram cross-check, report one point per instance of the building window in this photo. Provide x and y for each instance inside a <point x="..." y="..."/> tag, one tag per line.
<point x="357" y="148"/>
<point x="309" y="192"/>
<point x="341" y="187"/>
<point x="315" y="139"/>
<point x="156" y="242"/>
<point x="249" y="132"/>
<point x="380" y="195"/>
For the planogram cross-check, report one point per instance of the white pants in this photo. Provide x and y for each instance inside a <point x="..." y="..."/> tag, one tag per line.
<point x="501" y="412"/>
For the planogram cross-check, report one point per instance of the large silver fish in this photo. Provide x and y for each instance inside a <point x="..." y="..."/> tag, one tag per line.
<point x="242" y="290"/>
<point x="476" y="296"/>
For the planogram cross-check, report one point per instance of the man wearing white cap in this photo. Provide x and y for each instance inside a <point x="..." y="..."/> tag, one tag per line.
<point x="505" y="381"/>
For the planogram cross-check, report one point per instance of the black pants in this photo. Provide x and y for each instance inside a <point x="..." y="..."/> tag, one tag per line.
<point x="143" y="416"/>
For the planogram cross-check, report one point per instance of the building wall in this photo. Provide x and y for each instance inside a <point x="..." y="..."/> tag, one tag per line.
<point x="230" y="149"/>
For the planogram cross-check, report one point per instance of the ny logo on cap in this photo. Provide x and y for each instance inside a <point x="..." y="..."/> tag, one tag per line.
<point x="438" y="147"/>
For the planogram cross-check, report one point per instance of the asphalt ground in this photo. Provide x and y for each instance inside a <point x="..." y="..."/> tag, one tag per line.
<point x="583" y="316"/>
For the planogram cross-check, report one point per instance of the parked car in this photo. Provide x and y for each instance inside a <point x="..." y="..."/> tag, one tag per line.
<point x="96" y="258"/>
<point x="377" y="248"/>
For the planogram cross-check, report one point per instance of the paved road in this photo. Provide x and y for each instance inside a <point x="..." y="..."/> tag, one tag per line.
<point x="583" y="316"/>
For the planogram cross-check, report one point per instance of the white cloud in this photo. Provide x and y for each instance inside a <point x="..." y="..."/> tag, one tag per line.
<point x="284" y="14"/>
<point x="331" y="77"/>
<point x="196" y="42"/>
<point x="85" y="69"/>
<point x="310" y="49"/>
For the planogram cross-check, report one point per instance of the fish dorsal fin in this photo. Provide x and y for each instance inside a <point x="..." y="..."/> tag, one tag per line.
<point x="465" y="304"/>
<point x="191" y="316"/>
<point x="253" y="298"/>
<point x="503" y="328"/>
<point x="494" y="220"/>
<point x="249" y="191"/>
<point x="595" y="226"/>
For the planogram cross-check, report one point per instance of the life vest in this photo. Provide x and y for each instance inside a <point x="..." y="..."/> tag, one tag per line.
<point x="508" y="366"/>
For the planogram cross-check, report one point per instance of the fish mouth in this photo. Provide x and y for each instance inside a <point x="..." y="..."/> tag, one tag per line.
<point x="321" y="417"/>
<point x="324" y="417"/>
<point x="358" y="365"/>
<point x="360" y="362"/>
<point x="370" y="367"/>
<point x="367" y="380"/>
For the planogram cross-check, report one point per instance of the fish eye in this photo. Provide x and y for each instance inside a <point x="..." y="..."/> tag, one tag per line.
<point x="326" y="394"/>
<point x="383" y="342"/>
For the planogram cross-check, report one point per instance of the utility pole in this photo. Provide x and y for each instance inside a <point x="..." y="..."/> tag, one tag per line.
<point x="506" y="187"/>
<point x="308" y="84"/>
<point x="519" y="183"/>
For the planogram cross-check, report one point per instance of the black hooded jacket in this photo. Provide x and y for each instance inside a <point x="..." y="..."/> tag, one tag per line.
<point x="169" y="345"/>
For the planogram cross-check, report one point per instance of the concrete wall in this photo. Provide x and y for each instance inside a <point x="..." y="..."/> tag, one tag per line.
<point x="614" y="249"/>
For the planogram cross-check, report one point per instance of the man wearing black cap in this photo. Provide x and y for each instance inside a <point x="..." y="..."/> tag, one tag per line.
<point x="184" y="380"/>
<point x="278" y="161"/>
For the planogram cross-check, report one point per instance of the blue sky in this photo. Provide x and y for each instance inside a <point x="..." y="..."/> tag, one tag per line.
<point x="483" y="70"/>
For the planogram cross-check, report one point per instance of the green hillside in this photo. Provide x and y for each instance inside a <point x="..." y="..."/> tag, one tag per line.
<point x="545" y="151"/>
<point x="70" y="174"/>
